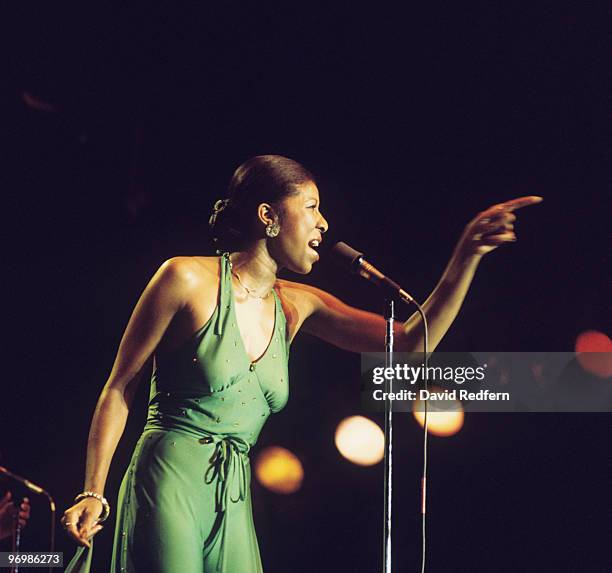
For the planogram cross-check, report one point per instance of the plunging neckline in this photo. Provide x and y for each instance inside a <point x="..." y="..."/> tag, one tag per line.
<point x="235" y="319"/>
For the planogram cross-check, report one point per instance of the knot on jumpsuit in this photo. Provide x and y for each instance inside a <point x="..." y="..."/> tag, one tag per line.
<point x="229" y="467"/>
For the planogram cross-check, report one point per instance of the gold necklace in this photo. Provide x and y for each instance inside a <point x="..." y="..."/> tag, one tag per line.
<point x="250" y="292"/>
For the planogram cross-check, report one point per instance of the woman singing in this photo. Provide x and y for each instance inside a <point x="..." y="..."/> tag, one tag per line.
<point x="219" y="329"/>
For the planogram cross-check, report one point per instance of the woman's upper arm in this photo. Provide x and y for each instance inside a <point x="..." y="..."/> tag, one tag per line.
<point x="342" y="325"/>
<point x="164" y="296"/>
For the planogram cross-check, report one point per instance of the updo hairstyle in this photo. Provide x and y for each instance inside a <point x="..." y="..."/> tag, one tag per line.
<point x="261" y="179"/>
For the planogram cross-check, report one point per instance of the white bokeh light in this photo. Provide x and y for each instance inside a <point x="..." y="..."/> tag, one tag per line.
<point x="360" y="440"/>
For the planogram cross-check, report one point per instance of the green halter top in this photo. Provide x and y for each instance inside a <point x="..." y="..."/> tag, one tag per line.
<point x="210" y="387"/>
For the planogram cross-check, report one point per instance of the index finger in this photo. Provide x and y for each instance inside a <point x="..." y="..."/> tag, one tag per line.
<point x="520" y="202"/>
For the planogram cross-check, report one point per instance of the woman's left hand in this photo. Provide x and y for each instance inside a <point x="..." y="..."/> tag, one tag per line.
<point x="492" y="227"/>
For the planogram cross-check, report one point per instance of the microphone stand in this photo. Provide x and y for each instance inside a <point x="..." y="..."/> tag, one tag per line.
<point x="39" y="490"/>
<point x="16" y="540"/>
<point x="388" y="494"/>
<point x="389" y="317"/>
<point x="357" y="264"/>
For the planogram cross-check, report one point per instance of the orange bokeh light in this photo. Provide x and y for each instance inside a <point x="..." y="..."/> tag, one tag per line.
<point x="279" y="470"/>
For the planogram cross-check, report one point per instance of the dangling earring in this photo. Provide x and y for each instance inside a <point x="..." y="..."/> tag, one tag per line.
<point x="272" y="230"/>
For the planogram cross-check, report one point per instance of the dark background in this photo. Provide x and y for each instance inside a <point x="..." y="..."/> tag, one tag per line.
<point x="122" y="127"/>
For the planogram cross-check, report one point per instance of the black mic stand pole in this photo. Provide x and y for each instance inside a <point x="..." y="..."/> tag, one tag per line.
<point x="388" y="486"/>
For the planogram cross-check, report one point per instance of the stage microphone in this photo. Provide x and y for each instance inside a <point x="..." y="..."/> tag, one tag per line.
<point x="353" y="260"/>
<point x="26" y="482"/>
<point x="39" y="490"/>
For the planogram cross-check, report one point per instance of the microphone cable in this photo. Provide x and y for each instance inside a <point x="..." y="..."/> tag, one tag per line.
<point x="425" y="432"/>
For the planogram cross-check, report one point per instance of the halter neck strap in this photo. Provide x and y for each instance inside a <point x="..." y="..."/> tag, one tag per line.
<point x="225" y="285"/>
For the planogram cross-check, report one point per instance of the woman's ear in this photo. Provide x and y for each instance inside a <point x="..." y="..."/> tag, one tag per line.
<point x="266" y="214"/>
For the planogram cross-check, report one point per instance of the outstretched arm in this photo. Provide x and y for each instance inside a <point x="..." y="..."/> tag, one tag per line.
<point x="360" y="331"/>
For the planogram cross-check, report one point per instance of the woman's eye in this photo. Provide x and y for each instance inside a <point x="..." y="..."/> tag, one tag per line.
<point x="312" y="206"/>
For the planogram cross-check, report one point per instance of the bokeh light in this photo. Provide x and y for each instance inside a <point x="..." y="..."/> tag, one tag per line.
<point x="594" y="351"/>
<point x="360" y="440"/>
<point x="279" y="470"/>
<point x="444" y="418"/>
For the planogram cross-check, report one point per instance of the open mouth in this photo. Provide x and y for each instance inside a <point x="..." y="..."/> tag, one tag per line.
<point x="314" y="245"/>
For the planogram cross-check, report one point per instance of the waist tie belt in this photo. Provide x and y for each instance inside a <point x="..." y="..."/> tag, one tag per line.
<point x="228" y="466"/>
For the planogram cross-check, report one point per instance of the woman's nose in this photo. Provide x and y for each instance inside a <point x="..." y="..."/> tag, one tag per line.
<point x="322" y="224"/>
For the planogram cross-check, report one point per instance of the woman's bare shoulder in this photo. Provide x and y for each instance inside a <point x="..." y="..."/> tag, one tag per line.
<point x="188" y="274"/>
<point x="191" y="268"/>
<point x="289" y="288"/>
<point x="310" y="299"/>
<point x="303" y="296"/>
<point x="299" y="290"/>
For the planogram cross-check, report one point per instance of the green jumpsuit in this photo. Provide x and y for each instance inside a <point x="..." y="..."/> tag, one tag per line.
<point x="185" y="503"/>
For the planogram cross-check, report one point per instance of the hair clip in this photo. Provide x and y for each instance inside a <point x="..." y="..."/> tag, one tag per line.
<point x="220" y="205"/>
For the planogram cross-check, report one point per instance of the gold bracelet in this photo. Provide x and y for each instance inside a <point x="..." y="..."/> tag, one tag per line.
<point x="100" y="498"/>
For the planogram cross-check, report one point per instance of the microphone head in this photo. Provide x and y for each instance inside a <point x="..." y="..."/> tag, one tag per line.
<point x="346" y="256"/>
